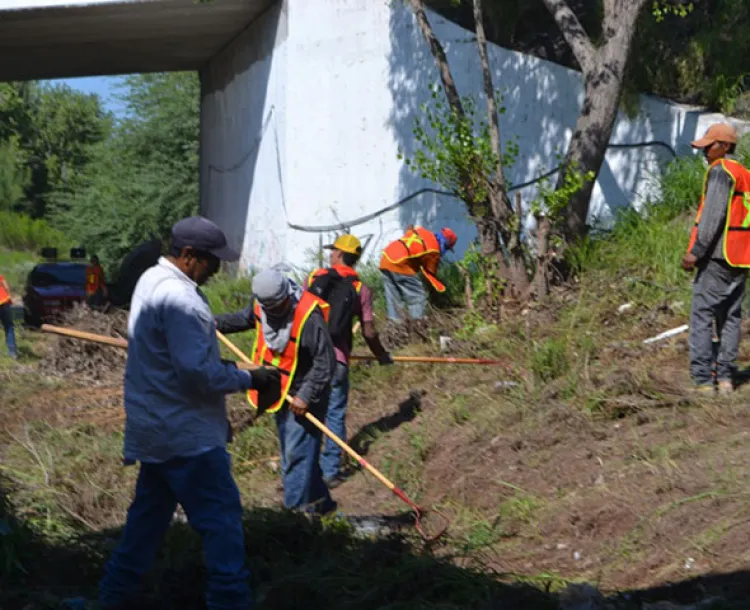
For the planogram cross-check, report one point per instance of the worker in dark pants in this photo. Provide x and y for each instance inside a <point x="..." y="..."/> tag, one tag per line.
<point x="719" y="249"/>
<point x="291" y="335"/>
<point x="176" y="424"/>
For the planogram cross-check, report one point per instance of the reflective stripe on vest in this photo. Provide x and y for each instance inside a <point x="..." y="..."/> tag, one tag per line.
<point x="286" y="361"/>
<point x="415" y="243"/>
<point x="736" y="239"/>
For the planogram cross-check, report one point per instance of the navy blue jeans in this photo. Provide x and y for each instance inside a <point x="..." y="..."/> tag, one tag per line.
<point x="330" y="459"/>
<point x="204" y="486"/>
<point x="300" y="441"/>
<point x="6" y="317"/>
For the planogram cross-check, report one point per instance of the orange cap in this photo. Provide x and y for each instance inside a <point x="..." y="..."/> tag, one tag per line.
<point x="450" y="237"/>
<point x="719" y="132"/>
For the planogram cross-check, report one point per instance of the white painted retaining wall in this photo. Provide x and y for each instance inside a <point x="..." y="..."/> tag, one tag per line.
<point x="304" y="115"/>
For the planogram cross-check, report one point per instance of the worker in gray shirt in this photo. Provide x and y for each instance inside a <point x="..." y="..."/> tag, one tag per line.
<point x="292" y="335"/>
<point x="719" y="249"/>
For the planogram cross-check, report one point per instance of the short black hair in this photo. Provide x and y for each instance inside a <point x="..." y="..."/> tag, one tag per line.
<point x="176" y="251"/>
<point x="732" y="148"/>
<point x="349" y="259"/>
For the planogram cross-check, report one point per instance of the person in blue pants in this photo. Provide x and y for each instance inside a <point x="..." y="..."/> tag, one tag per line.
<point x="6" y="318"/>
<point x="176" y="424"/>
<point x="291" y="334"/>
<point x="348" y="297"/>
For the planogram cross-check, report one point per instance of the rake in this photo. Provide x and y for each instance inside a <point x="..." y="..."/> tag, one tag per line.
<point x="418" y="512"/>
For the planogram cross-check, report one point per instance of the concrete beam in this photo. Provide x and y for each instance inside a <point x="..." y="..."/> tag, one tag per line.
<point x="106" y="37"/>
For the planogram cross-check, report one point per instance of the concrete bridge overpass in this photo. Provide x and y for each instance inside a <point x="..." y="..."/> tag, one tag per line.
<point x="43" y="39"/>
<point x="305" y="105"/>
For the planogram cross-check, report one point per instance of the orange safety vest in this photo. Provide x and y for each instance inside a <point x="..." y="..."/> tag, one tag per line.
<point x="94" y="278"/>
<point x="415" y="243"/>
<point x="4" y="296"/>
<point x="736" y="242"/>
<point x="286" y="361"/>
<point x="342" y="270"/>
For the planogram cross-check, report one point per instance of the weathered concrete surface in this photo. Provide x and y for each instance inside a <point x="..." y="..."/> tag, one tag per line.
<point x="42" y="39"/>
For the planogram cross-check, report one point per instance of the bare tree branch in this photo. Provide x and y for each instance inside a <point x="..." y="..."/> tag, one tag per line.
<point x="489" y="93"/>
<point x="573" y="32"/>
<point x="451" y="92"/>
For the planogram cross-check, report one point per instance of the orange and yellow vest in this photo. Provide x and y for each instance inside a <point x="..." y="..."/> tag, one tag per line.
<point x="736" y="242"/>
<point x="94" y="278"/>
<point x="4" y="296"/>
<point x="286" y="361"/>
<point x="403" y="254"/>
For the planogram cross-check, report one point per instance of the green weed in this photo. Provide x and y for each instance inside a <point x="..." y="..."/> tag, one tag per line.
<point x="549" y="360"/>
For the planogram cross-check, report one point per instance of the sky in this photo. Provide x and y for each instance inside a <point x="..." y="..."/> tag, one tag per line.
<point x="104" y="86"/>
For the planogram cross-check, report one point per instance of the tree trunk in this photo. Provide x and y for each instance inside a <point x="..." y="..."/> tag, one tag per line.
<point x="541" y="275"/>
<point x="603" y="74"/>
<point x="589" y="144"/>
<point x="489" y="93"/>
<point x="449" y="85"/>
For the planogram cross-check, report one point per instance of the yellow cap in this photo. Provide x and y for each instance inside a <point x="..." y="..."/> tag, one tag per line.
<point x="346" y="243"/>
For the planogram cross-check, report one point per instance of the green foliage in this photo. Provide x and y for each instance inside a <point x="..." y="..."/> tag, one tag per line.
<point x="660" y="9"/>
<point x="50" y="130"/>
<point x="456" y="151"/>
<point x="19" y="232"/>
<point x="551" y="201"/>
<point x="15" y="266"/>
<point x="145" y="176"/>
<point x="691" y="52"/>
<point x="550" y="360"/>
<point x="14" y="175"/>
<point x="228" y="294"/>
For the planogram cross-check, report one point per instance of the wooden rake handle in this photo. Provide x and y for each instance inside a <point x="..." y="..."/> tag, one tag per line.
<point x="323" y="428"/>
<point x="248" y="364"/>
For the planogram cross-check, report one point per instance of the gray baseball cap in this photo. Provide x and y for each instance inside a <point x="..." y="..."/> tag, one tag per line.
<point x="202" y="234"/>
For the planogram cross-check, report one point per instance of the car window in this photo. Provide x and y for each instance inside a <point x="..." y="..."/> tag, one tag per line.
<point x="59" y="275"/>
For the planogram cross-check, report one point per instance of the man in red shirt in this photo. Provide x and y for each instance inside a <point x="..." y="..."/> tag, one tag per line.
<point x="6" y="317"/>
<point x="348" y="297"/>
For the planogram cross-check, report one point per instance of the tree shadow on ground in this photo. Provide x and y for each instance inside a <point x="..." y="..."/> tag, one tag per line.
<point x="294" y="564"/>
<point x="407" y="411"/>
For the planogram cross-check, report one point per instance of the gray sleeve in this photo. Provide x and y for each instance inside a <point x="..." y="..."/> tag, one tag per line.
<point x="228" y="323"/>
<point x="718" y="189"/>
<point x="316" y="340"/>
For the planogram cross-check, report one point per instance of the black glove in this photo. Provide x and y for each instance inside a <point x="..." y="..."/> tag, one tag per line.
<point x="385" y="358"/>
<point x="265" y="379"/>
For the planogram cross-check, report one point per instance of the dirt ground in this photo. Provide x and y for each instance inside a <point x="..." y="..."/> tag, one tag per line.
<point x="631" y="484"/>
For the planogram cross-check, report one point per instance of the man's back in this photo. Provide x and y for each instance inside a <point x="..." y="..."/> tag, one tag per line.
<point x="174" y="379"/>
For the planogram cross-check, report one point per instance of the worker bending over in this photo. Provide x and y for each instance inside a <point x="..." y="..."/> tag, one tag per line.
<point x="418" y="250"/>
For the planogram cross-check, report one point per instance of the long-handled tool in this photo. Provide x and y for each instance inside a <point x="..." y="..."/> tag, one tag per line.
<point x="418" y="512"/>
<point x="433" y="359"/>
<point x="249" y="365"/>
<point x="96" y="338"/>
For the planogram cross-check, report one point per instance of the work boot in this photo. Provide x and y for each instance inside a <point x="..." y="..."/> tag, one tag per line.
<point x="726" y="387"/>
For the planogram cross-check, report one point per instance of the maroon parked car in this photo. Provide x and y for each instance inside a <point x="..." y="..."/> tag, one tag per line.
<point x="52" y="288"/>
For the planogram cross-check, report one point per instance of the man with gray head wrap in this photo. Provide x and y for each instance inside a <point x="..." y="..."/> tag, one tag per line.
<point x="293" y="336"/>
